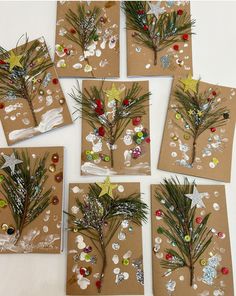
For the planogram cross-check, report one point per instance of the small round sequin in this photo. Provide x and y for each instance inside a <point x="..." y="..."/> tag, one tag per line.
<point x="4" y="227"/>
<point x="52" y="168"/>
<point x="55" y="158"/>
<point x="216" y="206"/>
<point x="131" y="229"/>
<point x="115" y="246"/>
<point x="75" y="210"/>
<point x="221" y="235"/>
<point x="55" y="200"/>
<point x="125" y="262"/>
<point x="203" y="262"/>
<point x="186" y="136"/>
<point x="62" y="101"/>
<point x="10" y="230"/>
<point x="125" y="223"/>
<point x="120" y="188"/>
<point x="3" y="203"/>
<point x="59" y="177"/>
<point x="173" y="154"/>
<point x="115" y="259"/>
<point x="178" y="116"/>
<point x="187" y="238"/>
<point x="181" y="278"/>
<point x="116" y="270"/>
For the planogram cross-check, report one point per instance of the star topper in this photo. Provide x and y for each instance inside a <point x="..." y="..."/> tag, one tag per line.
<point x="189" y="84"/>
<point x="11" y="162"/>
<point x="113" y="93"/>
<point x="156" y="9"/>
<point x="196" y="198"/>
<point x="107" y="187"/>
<point x="14" y="61"/>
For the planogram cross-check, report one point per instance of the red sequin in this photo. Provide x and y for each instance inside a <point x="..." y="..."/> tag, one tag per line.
<point x="185" y="37"/>
<point x="176" y="47"/>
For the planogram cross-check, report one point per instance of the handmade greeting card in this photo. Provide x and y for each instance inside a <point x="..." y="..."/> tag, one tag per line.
<point x="199" y="129"/>
<point x="87" y="38"/>
<point x="31" y="188"/>
<point x="190" y="239"/>
<point x="105" y="239"/>
<point x="159" y="41"/>
<point x="31" y="99"/>
<point x="115" y="127"/>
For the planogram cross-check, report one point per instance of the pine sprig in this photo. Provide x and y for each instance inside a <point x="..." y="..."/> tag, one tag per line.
<point x="114" y="128"/>
<point x="179" y="223"/>
<point x="99" y="213"/>
<point x="199" y="112"/>
<point x="19" y="83"/>
<point x="24" y="190"/>
<point x="156" y="33"/>
<point x="84" y="26"/>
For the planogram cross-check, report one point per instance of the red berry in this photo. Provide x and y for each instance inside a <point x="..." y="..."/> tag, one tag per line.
<point x="214" y="93"/>
<point x="55" y="157"/>
<point x="159" y="213"/>
<point x="199" y="220"/>
<point x="185" y="37"/>
<point x="2" y="105"/>
<point x="179" y="11"/>
<point x="148" y="140"/>
<point x="140" y="12"/>
<point x="65" y="50"/>
<point x="72" y="31"/>
<point x="59" y="177"/>
<point x="98" y="284"/>
<point x="99" y="103"/>
<point x="126" y="102"/>
<point x="136" y="120"/>
<point x="213" y="129"/>
<point x="99" y="111"/>
<point x="176" y="47"/>
<point x="145" y="27"/>
<point x="101" y="131"/>
<point x="82" y="271"/>
<point x="169" y="257"/>
<point x="224" y="270"/>
<point x="55" y="81"/>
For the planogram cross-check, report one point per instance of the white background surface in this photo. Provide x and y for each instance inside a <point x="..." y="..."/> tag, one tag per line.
<point x="214" y="60"/>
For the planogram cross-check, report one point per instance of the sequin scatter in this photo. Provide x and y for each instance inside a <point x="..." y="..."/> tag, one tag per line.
<point x="210" y="270"/>
<point x="138" y="266"/>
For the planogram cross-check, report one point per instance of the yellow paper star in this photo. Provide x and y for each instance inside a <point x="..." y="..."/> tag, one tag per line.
<point x="199" y="113"/>
<point x="189" y="83"/>
<point x="107" y="187"/>
<point x="113" y="93"/>
<point x="14" y="60"/>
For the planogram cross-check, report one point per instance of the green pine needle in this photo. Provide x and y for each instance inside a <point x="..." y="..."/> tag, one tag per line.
<point x="179" y="222"/>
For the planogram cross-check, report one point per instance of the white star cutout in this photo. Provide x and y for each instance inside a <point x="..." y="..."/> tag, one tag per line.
<point x="156" y="9"/>
<point x="11" y="162"/>
<point x="196" y="198"/>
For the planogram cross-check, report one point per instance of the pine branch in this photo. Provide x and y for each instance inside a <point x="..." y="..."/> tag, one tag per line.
<point x="152" y="32"/>
<point x="24" y="190"/>
<point x="88" y="107"/>
<point x="84" y="27"/>
<point x="179" y="223"/>
<point x="199" y="112"/>
<point x="19" y="83"/>
<point x="97" y="213"/>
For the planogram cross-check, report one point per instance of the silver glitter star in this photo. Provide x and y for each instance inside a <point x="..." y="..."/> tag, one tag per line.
<point x="156" y="9"/>
<point x="11" y="162"/>
<point x="196" y="198"/>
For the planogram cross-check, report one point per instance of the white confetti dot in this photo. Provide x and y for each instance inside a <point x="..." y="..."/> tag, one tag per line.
<point x="120" y="188"/>
<point x="45" y="229"/>
<point x="216" y="206"/>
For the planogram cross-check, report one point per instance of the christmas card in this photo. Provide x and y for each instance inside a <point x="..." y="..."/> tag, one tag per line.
<point x="190" y="239"/>
<point x="31" y="99"/>
<point x="159" y="37"/>
<point x="31" y="188"/>
<point x="105" y="239"/>
<point x="199" y="129"/>
<point x="115" y="127"/>
<point x="87" y="38"/>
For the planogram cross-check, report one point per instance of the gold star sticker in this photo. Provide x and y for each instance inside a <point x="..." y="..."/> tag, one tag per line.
<point x="107" y="187"/>
<point x="14" y="60"/>
<point x="113" y="93"/>
<point x="190" y="112"/>
<point x="189" y="84"/>
<point x="199" y="113"/>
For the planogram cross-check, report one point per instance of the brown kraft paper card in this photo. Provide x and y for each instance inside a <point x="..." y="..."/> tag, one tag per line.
<point x="130" y="153"/>
<point x="173" y="57"/>
<point x="31" y="193"/>
<point x="199" y="129"/>
<point x="213" y="269"/>
<point x="87" y="39"/>
<point x="124" y="271"/>
<point x="31" y="98"/>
